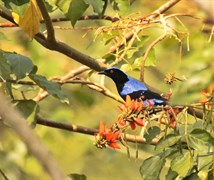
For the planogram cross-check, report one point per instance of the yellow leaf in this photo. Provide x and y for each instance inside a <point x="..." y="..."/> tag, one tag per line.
<point x="15" y="17"/>
<point x="30" y="21"/>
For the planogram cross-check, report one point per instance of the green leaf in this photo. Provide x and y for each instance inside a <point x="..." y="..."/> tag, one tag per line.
<point x="169" y="140"/>
<point x="171" y="174"/>
<point x="137" y="63"/>
<point x="61" y="4"/>
<point x="151" y="168"/>
<point x="26" y="107"/>
<point x="204" y="161"/>
<point x="152" y="132"/>
<point x="75" y="176"/>
<point x="131" y="52"/>
<point x="76" y="10"/>
<point x="72" y="9"/>
<point x="18" y="6"/>
<point x="51" y="87"/>
<point x="21" y="66"/>
<point x="151" y="59"/>
<point x="182" y="164"/>
<point x="126" y="67"/>
<point x="201" y="140"/>
<point x="97" y="5"/>
<point x="109" y="36"/>
<point x="122" y="6"/>
<point x="203" y="175"/>
<point x="142" y="41"/>
<point x="5" y="69"/>
<point x="24" y="88"/>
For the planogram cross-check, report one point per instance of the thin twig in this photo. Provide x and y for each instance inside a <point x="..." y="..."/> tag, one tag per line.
<point x="48" y="22"/>
<point x="163" y="8"/>
<point x="3" y="174"/>
<point x="160" y="38"/>
<point x="153" y="15"/>
<point x="43" y="94"/>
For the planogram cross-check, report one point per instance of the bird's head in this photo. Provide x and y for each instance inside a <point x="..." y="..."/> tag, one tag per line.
<point x="115" y="74"/>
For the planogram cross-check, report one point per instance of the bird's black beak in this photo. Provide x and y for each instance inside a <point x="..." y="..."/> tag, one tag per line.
<point x="101" y="72"/>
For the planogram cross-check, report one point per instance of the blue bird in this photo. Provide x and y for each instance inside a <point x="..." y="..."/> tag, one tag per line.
<point x="127" y="85"/>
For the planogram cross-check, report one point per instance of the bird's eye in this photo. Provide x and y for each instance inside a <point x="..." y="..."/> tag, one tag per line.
<point x="111" y="71"/>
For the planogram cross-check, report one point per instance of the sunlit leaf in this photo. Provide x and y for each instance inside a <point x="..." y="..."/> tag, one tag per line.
<point x="97" y="5"/>
<point x="76" y="10"/>
<point x="61" y="4"/>
<point x="168" y="141"/>
<point x="30" y="21"/>
<point x="126" y="67"/>
<point x="122" y="6"/>
<point x="182" y="164"/>
<point x="21" y="66"/>
<point x="152" y="132"/>
<point x="201" y="140"/>
<point x="204" y="161"/>
<point x="51" y="87"/>
<point x="109" y="36"/>
<point x="142" y="41"/>
<point x="16" y="17"/>
<point x="203" y="175"/>
<point x="151" y="58"/>
<point x="137" y="63"/>
<point x="131" y="52"/>
<point x="151" y="168"/>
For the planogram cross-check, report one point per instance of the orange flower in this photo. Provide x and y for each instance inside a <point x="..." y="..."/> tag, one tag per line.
<point x="137" y="121"/>
<point x="121" y="120"/>
<point x="131" y="105"/>
<point x="111" y="138"/>
<point x="130" y="113"/>
<point x="106" y="137"/>
<point x="208" y="94"/>
<point x="172" y="116"/>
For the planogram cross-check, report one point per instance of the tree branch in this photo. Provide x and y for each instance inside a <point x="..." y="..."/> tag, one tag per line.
<point x="28" y="136"/>
<point x="162" y="9"/>
<point x="88" y="131"/>
<point x="47" y="20"/>
<point x="60" y="47"/>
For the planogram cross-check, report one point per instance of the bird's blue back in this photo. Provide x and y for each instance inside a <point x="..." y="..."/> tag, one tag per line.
<point x="136" y="89"/>
<point x="127" y="85"/>
<point x="132" y="85"/>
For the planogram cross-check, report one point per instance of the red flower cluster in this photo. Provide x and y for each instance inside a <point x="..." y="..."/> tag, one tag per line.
<point x="106" y="137"/>
<point x="130" y="113"/>
<point x="209" y="95"/>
